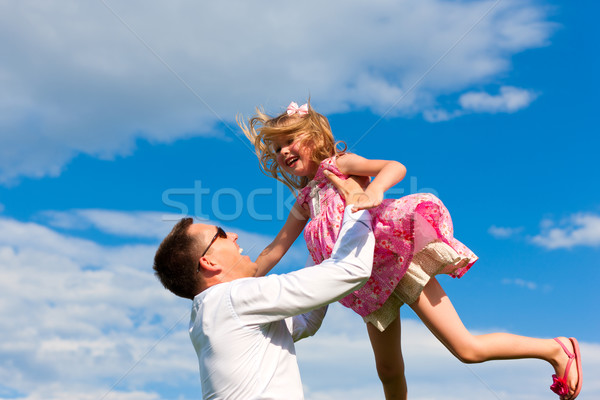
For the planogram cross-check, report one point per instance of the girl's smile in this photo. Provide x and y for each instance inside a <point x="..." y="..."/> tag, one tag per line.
<point x="294" y="158"/>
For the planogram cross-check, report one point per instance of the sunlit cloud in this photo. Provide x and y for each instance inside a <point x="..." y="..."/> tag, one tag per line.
<point x="521" y="283"/>
<point x="78" y="313"/>
<point x="430" y="368"/>
<point x="103" y="327"/>
<point x="577" y="230"/>
<point x="149" y="225"/>
<point x="503" y="232"/>
<point x="177" y="69"/>
<point x="140" y="224"/>
<point x="508" y="100"/>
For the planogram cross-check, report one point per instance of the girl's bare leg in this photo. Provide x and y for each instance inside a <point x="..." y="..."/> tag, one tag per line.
<point x="388" y="360"/>
<point x="437" y="312"/>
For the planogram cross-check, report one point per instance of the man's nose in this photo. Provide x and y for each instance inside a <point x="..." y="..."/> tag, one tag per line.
<point x="233" y="236"/>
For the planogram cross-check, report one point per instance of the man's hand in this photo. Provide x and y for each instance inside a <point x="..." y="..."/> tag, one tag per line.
<point x="371" y="199"/>
<point x="352" y="189"/>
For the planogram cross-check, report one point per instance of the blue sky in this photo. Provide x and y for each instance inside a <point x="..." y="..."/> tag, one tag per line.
<point x="119" y="118"/>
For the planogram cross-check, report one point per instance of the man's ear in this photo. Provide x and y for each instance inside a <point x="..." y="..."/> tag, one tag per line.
<point x="209" y="267"/>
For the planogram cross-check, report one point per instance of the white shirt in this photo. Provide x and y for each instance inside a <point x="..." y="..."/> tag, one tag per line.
<point x="244" y="331"/>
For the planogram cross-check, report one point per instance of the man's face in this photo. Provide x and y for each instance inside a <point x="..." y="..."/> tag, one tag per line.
<point x="224" y="252"/>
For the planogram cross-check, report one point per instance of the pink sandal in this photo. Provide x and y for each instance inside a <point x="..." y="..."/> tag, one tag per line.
<point x="560" y="385"/>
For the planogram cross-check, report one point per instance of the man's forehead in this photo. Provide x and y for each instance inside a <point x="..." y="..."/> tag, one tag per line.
<point x="201" y="229"/>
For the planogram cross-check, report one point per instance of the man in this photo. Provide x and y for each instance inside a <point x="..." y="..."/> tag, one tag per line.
<point x="243" y="327"/>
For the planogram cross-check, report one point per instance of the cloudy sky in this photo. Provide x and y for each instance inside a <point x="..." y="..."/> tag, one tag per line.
<point x="118" y="118"/>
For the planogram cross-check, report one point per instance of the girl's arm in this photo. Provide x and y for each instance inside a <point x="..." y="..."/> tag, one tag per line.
<point x="387" y="173"/>
<point x="285" y="238"/>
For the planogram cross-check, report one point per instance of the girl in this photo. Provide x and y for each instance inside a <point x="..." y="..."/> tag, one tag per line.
<point x="415" y="242"/>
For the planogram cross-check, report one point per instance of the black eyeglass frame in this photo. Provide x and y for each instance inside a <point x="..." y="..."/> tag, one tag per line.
<point x="220" y="234"/>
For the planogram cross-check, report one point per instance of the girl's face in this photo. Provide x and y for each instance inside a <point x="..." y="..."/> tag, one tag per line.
<point x="294" y="158"/>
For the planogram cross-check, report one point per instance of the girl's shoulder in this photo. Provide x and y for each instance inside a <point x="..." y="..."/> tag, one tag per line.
<point x="320" y="180"/>
<point x="345" y="159"/>
<point x="330" y="164"/>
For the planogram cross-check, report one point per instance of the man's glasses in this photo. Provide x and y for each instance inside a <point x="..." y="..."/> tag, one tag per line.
<point x="220" y="234"/>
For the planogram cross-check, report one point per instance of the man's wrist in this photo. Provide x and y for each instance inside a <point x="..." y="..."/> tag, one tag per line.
<point x="360" y="215"/>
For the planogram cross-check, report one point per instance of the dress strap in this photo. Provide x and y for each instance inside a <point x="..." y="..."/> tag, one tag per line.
<point x="320" y="180"/>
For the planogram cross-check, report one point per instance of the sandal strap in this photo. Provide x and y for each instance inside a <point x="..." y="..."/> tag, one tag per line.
<point x="569" y="354"/>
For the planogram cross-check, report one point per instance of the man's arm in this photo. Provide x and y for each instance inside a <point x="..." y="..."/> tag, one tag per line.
<point x="307" y="324"/>
<point x="274" y="297"/>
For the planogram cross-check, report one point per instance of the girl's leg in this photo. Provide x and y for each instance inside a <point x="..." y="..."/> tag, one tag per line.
<point x="388" y="359"/>
<point x="437" y="312"/>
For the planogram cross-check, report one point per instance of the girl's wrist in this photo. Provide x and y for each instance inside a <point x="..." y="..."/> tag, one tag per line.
<point x="375" y="196"/>
<point x="374" y="190"/>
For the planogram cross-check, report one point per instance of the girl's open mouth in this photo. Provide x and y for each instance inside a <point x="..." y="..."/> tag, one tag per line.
<point x="290" y="161"/>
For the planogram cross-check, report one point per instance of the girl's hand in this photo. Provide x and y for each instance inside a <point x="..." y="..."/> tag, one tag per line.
<point x="387" y="173"/>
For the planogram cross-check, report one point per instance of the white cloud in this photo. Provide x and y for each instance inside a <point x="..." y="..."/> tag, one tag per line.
<point x="78" y="317"/>
<point x="509" y="100"/>
<point x="79" y="81"/>
<point x="520" y="282"/>
<point x="140" y="224"/>
<point x="79" y="313"/>
<point x="337" y="363"/>
<point x="440" y="115"/>
<point x="503" y="232"/>
<point x="82" y="314"/>
<point x="149" y="225"/>
<point x="577" y="230"/>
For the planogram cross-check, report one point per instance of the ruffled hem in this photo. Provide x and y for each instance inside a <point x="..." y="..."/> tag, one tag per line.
<point x="435" y="258"/>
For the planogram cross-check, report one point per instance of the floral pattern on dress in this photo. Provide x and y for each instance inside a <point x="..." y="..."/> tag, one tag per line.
<point x="393" y="226"/>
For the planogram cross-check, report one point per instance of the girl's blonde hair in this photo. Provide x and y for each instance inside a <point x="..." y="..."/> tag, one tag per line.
<point x="312" y="129"/>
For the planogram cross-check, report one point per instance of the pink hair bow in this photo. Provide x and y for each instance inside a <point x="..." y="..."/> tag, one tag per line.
<point x="294" y="109"/>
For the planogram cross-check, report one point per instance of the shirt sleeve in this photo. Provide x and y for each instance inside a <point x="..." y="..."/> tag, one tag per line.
<point x="307" y="324"/>
<point x="275" y="297"/>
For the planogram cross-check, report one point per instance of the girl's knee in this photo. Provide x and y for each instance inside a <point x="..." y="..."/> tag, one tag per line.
<point x="390" y="371"/>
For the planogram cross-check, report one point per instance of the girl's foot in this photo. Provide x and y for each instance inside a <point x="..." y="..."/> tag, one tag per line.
<point x="566" y="361"/>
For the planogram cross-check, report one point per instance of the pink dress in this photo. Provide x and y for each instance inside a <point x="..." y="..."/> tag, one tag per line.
<point x="414" y="241"/>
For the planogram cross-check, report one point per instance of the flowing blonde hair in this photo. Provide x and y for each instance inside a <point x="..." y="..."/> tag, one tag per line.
<point x="311" y="129"/>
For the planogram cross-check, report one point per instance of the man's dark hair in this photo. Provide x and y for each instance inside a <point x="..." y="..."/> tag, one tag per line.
<point x="176" y="261"/>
